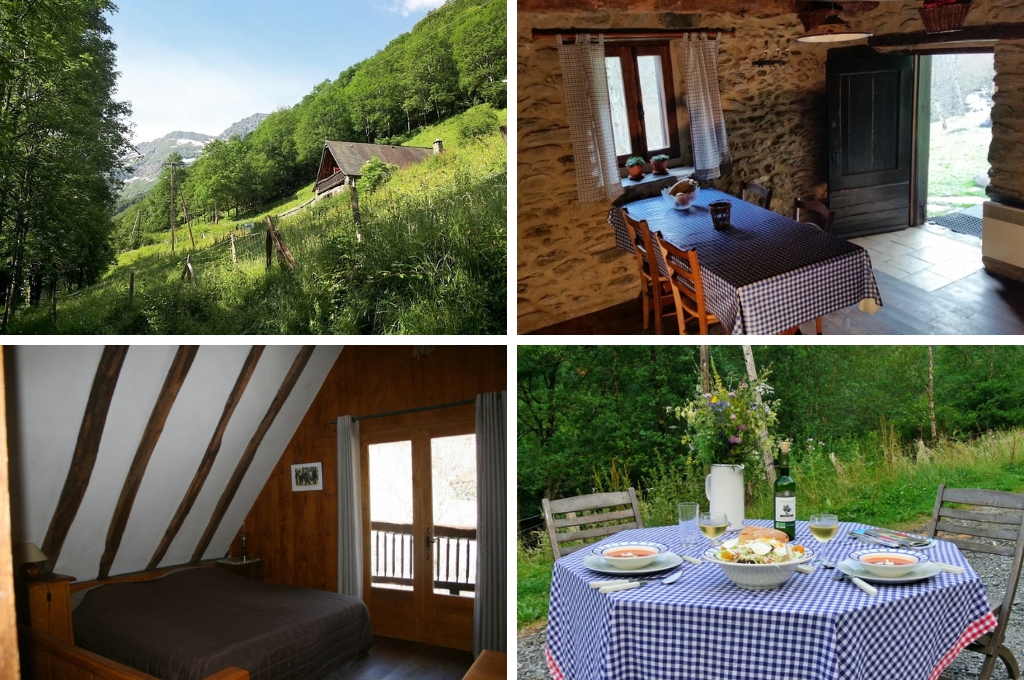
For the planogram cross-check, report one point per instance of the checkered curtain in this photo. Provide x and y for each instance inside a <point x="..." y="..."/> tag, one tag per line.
<point x="590" y="118"/>
<point x="707" y="124"/>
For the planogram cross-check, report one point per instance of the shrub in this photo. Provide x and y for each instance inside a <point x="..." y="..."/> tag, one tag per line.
<point x="477" y="123"/>
<point x="375" y="174"/>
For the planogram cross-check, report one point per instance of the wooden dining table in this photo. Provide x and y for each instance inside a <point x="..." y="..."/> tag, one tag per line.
<point x="764" y="274"/>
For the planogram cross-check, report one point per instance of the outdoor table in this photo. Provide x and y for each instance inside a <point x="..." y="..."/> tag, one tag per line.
<point x="704" y="627"/>
<point x="765" y="274"/>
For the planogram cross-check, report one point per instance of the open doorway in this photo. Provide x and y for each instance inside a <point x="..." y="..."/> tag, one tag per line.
<point x="960" y="133"/>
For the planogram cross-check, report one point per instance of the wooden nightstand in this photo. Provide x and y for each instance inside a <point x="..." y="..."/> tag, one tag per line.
<point x="250" y="569"/>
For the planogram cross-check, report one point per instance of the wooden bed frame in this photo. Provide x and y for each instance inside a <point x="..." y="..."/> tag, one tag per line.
<point x="57" y="658"/>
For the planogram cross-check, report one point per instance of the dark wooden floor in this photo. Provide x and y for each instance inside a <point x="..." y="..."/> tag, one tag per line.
<point x="980" y="304"/>
<point x="390" y="659"/>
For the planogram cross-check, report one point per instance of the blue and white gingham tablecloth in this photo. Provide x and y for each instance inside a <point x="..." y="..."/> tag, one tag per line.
<point x="767" y="273"/>
<point x="703" y="627"/>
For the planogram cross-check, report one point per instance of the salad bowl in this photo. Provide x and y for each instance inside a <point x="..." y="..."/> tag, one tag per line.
<point x="758" y="576"/>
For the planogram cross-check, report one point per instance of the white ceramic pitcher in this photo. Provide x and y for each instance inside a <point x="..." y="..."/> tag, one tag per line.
<point x="724" y="489"/>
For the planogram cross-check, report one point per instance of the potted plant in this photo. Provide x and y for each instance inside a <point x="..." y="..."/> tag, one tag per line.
<point x="635" y="167"/>
<point x="940" y="16"/>
<point x="724" y="433"/>
<point x="660" y="163"/>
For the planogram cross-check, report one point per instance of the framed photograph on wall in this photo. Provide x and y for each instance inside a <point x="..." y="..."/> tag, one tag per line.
<point x="307" y="477"/>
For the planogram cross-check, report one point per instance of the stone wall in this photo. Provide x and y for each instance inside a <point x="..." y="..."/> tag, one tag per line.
<point x="568" y="265"/>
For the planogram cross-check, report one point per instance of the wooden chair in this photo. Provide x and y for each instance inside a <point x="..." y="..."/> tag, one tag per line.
<point x="1000" y="524"/>
<point x="571" y="507"/>
<point x="756" y="189"/>
<point x="657" y="293"/>
<point x="687" y="285"/>
<point x="813" y="212"/>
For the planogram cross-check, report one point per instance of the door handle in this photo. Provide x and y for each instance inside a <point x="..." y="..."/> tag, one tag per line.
<point x="430" y="544"/>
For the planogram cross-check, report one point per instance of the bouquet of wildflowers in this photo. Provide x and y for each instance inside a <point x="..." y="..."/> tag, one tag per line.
<point x="724" y="425"/>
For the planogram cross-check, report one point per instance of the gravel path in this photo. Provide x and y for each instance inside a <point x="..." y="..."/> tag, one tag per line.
<point x="993" y="570"/>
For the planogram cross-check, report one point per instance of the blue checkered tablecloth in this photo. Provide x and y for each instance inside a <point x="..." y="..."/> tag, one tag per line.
<point x="703" y="627"/>
<point x="767" y="273"/>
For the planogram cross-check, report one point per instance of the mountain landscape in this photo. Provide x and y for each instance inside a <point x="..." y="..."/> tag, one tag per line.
<point x="148" y="158"/>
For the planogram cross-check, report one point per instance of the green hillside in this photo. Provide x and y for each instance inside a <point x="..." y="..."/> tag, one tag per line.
<point x="430" y="258"/>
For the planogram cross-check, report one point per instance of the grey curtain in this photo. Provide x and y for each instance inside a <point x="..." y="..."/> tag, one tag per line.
<point x="585" y="81"/>
<point x="704" y="99"/>
<point x="492" y="524"/>
<point x="350" y="519"/>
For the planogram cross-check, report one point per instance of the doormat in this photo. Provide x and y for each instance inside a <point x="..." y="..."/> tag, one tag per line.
<point x="959" y="222"/>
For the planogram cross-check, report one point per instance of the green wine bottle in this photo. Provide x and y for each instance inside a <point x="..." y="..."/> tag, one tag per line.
<point x="785" y="496"/>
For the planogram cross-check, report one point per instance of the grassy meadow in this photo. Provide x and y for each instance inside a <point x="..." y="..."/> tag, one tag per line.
<point x="430" y="257"/>
<point x="876" y="481"/>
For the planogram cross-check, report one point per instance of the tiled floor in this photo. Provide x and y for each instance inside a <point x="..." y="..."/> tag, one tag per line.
<point x="929" y="257"/>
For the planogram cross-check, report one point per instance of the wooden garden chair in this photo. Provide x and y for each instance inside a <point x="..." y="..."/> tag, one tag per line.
<point x="1006" y="523"/>
<point x="576" y="523"/>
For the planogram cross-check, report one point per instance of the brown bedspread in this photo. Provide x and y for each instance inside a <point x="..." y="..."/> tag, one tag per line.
<point x="192" y="624"/>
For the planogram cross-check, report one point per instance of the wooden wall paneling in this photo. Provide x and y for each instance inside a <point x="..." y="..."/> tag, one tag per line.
<point x="250" y="451"/>
<point x="8" y="621"/>
<point x="295" y="533"/>
<point x="248" y="368"/>
<point x="84" y="458"/>
<point x="176" y="375"/>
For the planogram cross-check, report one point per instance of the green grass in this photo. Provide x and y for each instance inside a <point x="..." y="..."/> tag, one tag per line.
<point x="429" y="258"/>
<point x="955" y="157"/>
<point x="877" y="482"/>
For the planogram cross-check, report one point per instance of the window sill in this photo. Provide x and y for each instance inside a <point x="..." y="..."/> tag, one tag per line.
<point x="674" y="175"/>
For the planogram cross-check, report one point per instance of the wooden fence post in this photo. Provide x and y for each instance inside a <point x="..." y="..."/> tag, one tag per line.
<point x="234" y="255"/>
<point x="280" y="246"/>
<point x="188" y="270"/>
<point x="355" y="206"/>
<point x="270" y="246"/>
<point x="131" y="289"/>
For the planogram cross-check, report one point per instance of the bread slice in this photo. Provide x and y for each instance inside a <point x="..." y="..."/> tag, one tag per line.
<point x="750" y="533"/>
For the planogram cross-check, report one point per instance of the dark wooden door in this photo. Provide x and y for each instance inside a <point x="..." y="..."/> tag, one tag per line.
<point x="871" y="106"/>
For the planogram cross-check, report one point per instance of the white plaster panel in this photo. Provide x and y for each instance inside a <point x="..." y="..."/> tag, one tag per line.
<point x="187" y="433"/>
<point x="263" y="386"/>
<point x="273" y="446"/>
<point x="47" y="392"/>
<point x="144" y="371"/>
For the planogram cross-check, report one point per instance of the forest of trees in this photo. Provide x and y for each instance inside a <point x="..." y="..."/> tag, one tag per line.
<point x="581" y="408"/>
<point x="62" y="138"/>
<point x="452" y="60"/>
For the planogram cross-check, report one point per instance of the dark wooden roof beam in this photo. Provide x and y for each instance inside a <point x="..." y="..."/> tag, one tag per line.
<point x="176" y="375"/>
<point x="84" y="459"/>
<point x="1003" y="31"/>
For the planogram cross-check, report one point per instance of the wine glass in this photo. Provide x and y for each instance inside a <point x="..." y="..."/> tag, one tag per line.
<point x="824" y="528"/>
<point x="713" y="525"/>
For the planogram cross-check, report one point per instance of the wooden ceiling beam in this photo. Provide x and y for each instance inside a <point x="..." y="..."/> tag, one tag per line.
<point x="84" y="459"/>
<point x="176" y="375"/>
<point x="1003" y="31"/>
<point x="248" y="368"/>
<point x="250" y="451"/>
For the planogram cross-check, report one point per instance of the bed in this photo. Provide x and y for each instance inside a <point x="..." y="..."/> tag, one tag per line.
<point x="191" y="624"/>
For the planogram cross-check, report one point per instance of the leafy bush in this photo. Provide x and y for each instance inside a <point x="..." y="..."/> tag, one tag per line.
<point x="375" y="174"/>
<point x="477" y="123"/>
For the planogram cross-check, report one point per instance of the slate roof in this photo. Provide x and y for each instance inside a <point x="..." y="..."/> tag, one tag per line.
<point x="351" y="156"/>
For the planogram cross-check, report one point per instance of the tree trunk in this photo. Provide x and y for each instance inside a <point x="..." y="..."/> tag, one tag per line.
<point x="769" y="462"/>
<point x="931" y="393"/>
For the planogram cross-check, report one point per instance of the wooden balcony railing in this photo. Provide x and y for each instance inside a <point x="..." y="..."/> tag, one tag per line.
<point x="331" y="182"/>
<point x="453" y="559"/>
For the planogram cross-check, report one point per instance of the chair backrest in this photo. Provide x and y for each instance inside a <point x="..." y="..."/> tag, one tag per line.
<point x="611" y="522"/>
<point x="687" y="284"/>
<point x="996" y="515"/>
<point x="640" y="235"/>
<point x="759" y="190"/>
<point x="813" y="212"/>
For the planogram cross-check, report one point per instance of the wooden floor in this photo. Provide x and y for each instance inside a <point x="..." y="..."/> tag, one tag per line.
<point x="390" y="659"/>
<point x="979" y="304"/>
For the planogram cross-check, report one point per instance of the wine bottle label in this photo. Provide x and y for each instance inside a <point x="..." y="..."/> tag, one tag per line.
<point x="785" y="508"/>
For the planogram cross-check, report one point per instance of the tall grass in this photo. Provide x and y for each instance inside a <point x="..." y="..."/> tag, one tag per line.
<point x="876" y="480"/>
<point x="429" y="257"/>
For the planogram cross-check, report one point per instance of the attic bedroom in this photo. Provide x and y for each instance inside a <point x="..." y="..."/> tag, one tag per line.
<point x="250" y="512"/>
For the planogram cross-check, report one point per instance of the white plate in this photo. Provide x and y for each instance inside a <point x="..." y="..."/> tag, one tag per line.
<point x="925" y="571"/>
<point x="661" y="563"/>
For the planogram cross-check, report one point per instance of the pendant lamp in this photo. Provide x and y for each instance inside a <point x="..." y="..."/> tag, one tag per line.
<point x="832" y="30"/>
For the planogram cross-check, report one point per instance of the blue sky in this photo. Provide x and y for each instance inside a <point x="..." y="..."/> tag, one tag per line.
<point x="201" y="65"/>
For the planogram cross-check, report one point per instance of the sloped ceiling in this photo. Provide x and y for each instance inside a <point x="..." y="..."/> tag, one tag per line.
<point x="48" y="390"/>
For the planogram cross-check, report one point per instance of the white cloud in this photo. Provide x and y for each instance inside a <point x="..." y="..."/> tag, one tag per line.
<point x="407" y="7"/>
<point x="171" y="91"/>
